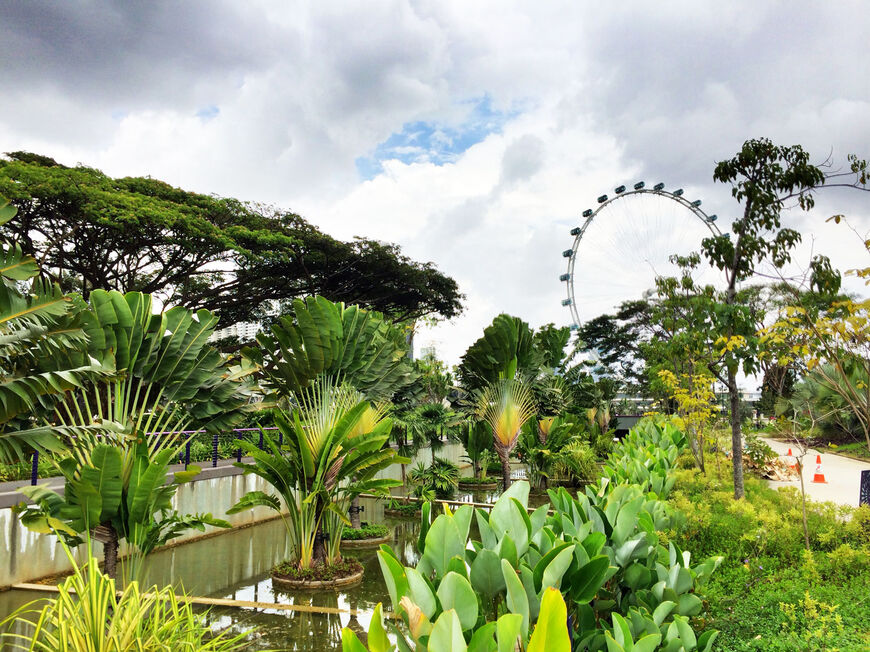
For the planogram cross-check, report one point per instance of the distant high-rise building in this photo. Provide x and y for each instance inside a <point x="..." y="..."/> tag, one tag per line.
<point x="245" y="331"/>
<point x="429" y="351"/>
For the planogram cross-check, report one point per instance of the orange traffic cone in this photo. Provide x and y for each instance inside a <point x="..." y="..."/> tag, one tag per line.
<point x="819" y="475"/>
<point x="793" y="463"/>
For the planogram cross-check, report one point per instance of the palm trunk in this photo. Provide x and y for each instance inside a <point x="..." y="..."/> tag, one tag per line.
<point x="736" y="436"/>
<point x="504" y="455"/>
<point x="319" y="552"/>
<point x="108" y="536"/>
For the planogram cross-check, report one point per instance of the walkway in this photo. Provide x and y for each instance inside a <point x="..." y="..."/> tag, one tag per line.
<point x="842" y="473"/>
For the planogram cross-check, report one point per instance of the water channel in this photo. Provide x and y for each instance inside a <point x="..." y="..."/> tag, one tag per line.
<point x="236" y="565"/>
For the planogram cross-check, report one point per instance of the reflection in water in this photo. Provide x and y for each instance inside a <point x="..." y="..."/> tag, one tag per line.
<point x="236" y="565"/>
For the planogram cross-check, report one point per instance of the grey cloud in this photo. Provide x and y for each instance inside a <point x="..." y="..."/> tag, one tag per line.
<point x="124" y="53"/>
<point x="522" y="159"/>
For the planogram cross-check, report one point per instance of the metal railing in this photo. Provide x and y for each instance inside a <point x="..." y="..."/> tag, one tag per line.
<point x="184" y="454"/>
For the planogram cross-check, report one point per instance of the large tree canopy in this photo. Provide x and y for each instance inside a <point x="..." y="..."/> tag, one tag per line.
<point x="89" y="231"/>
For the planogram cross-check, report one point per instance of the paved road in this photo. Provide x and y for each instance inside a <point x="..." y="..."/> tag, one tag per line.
<point x="842" y="473"/>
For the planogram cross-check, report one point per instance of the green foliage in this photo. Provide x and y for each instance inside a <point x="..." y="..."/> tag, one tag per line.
<point x="577" y="463"/>
<point x="758" y="451"/>
<point x="758" y="599"/>
<point x="439" y="478"/>
<point x="89" y="613"/>
<point x="618" y="341"/>
<point x="323" y="338"/>
<point x="553" y="449"/>
<point x="320" y="572"/>
<point x="476" y="439"/>
<point x="551" y="633"/>
<point x="550" y="342"/>
<point x="122" y="486"/>
<point x="366" y="531"/>
<point x="238" y="259"/>
<point x="333" y="448"/>
<point x="623" y="587"/>
<point x="507" y="341"/>
<point x="36" y="326"/>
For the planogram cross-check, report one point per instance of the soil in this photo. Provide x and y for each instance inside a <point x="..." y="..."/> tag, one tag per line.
<point x="347" y="571"/>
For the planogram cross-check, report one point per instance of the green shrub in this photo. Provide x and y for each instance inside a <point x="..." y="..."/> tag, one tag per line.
<point x="441" y="478"/>
<point x="770" y="591"/>
<point x="367" y="531"/>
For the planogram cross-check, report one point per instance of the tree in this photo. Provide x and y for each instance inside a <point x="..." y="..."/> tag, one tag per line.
<point x="695" y="401"/>
<point x="763" y="177"/>
<point x="617" y="341"/>
<point x="333" y="449"/>
<point x="507" y="341"/>
<point x="168" y="379"/>
<point x="35" y="328"/>
<point x="506" y="405"/>
<point x="337" y="365"/>
<point x="89" y="231"/>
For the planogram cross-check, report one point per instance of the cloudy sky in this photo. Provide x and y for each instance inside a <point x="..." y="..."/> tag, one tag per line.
<point x="474" y="134"/>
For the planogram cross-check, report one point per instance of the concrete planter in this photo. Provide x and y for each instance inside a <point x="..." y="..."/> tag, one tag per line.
<point x="478" y="486"/>
<point x="373" y="542"/>
<point x="282" y="582"/>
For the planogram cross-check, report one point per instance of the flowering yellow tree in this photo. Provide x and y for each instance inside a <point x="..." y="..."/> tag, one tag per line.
<point x="695" y="399"/>
<point x="835" y="345"/>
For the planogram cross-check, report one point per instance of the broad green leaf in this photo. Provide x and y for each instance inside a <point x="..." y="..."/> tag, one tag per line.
<point x="350" y="642"/>
<point x="377" y="639"/>
<point x="443" y="542"/>
<point x="455" y="592"/>
<point x="483" y="639"/>
<point x="420" y="592"/>
<point x="517" y="601"/>
<point x="394" y="577"/>
<point x="486" y="575"/>
<point x="508" y="630"/>
<point x="556" y="568"/>
<point x="447" y="634"/>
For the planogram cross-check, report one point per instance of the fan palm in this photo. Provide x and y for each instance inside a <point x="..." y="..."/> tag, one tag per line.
<point x="506" y="405"/>
<point x="333" y="447"/>
<point x="169" y="379"/>
<point x="330" y="361"/>
<point x="36" y="326"/>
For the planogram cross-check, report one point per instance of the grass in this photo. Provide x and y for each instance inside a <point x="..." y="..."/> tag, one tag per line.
<point x="770" y="593"/>
<point x="853" y="449"/>
<point x="367" y="531"/>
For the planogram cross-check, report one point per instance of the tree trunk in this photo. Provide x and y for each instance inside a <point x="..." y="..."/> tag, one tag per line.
<point x="504" y="455"/>
<point x="319" y="553"/>
<point x="354" y="513"/>
<point x="108" y="536"/>
<point x="736" y="436"/>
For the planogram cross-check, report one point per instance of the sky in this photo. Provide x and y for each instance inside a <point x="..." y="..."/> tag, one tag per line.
<point x="473" y="134"/>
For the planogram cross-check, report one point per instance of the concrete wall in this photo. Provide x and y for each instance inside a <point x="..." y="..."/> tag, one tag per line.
<point x="26" y="555"/>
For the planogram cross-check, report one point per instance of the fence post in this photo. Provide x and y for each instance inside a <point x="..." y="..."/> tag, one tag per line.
<point x="34" y="468"/>
<point x="214" y="449"/>
<point x="260" y="444"/>
<point x="186" y="455"/>
<point x="280" y="439"/>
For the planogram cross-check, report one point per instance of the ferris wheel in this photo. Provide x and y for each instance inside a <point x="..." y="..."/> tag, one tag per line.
<point x="628" y="241"/>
